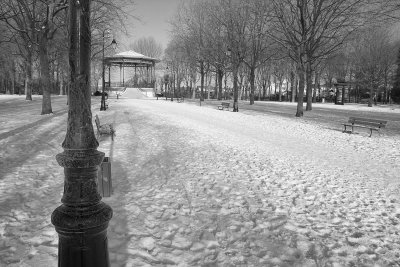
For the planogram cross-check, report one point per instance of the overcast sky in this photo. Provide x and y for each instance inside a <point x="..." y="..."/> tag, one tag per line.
<point x="154" y="16"/>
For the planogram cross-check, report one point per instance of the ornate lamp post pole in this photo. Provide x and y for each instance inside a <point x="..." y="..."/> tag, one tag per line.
<point x="166" y="82"/>
<point x="172" y="85"/>
<point x="82" y="220"/>
<point x="235" y="62"/>
<point x="103" y="97"/>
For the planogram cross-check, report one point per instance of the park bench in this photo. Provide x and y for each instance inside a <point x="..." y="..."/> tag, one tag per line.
<point x="371" y="124"/>
<point x="107" y="129"/>
<point x="224" y="105"/>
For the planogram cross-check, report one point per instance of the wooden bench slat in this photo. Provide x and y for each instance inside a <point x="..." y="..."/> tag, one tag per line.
<point x="367" y="120"/>
<point x="361" y="126"/>
<point x="371" y="124"/>
<point x="105" y="128"/>
<point x="365" y="123"/>
<point x="224" y="105"/>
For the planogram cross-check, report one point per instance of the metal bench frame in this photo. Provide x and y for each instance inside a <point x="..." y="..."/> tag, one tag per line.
<point x="371" y="124"/>
<point x="224" y="105"/>
<point x="107" y="129"/>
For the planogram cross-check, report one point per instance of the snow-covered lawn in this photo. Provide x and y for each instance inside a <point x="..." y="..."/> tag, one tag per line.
<point x="194" y="186"/>
<point x="395" y="108"/>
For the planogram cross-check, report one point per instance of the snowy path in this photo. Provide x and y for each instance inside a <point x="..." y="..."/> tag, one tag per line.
<point x="200" y="187"/>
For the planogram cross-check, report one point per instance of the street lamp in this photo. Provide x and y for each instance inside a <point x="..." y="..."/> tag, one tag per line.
<point x="103" y="97"/>
<point x="166" y="81"/>
<point x="82" y="220"/>
<point x="172" y="85"/>
<point x="235" y="62"/>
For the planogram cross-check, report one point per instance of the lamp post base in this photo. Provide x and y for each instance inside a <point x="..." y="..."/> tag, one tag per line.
<point x="82" y="220"/>
<point x="103" y="105"/>
<point x="80" y="246"/>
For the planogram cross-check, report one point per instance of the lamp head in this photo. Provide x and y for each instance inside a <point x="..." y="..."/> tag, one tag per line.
<point x="228" y="51"/>
<point x="114" y="44"/>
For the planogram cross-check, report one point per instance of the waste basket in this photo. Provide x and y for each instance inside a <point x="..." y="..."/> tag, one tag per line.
<point x="104" y="178"/>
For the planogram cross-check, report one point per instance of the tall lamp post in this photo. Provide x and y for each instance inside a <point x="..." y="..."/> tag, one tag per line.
<point x="103" y="97"/>
<point x="173" y="84"/>
<point x="82" y="220"/>
<point x="235" y="62"/>
<point x="166" y="82"/>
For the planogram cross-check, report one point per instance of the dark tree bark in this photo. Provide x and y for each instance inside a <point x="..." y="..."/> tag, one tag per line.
<point x="252" y="84"/>
<point x="28" y="77"/>
<point x="301" y="73"/>
<point x="220" y="75"/>
<point x="235" y="88"/>
<point x="309" y="86"/>
<point x="202" y="74"/>
<point x="45" y="74"/>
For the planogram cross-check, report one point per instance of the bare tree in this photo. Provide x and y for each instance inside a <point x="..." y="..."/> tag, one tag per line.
<point x="20" y="21"/>
<point x="261" y="47"/>
<point x="147" y="46"/>
<point x="189" y="27"/>
<point x="234" y="18"/>
<point x="311" y="30"/>
<point x="374" y="57"/>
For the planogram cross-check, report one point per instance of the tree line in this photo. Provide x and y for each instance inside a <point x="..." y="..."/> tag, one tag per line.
<point x="34" y="44"/>
<point x="300" y="43"/>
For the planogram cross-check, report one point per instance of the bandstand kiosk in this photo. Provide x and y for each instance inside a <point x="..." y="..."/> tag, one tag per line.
<point x="136" y="74"/>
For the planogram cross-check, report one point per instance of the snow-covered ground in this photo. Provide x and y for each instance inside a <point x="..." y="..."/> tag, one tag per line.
<point x="395" y="108"/>
<point x="194" y="186"/>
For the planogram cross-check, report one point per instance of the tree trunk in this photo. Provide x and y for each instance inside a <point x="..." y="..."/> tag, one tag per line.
<point x="316" y="79"/>
<point x="28" y="78"/>
<point x="61" y="85"/>
<point x="6" y="86"/>
<point x="201" y="81"/>
<point x="226" y="89"/>
<point x="240" y="86"/>
<point x="193" y="89"/>
<point x="295" y="88"/>
<point x="309" y="86"/>
<point x="252" y="85"/>
<point x="13" y="83"/>
<point x="235" y="88"/>
<point x="301" y="73"/>
<point x="220" y="76"/>
<point x="343" y="91"/>
<point x="269" y="91"/>
<point x="385" y="94"/>
<point x="280" y="91"/>
<point x="291" y="86"/>
<point x="216" y="92"/>
<point x="264" y="86"/>
<point x="45" y="74"/>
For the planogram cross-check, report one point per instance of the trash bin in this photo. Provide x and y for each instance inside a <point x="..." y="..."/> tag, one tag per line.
<point x="104" y="182"/>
